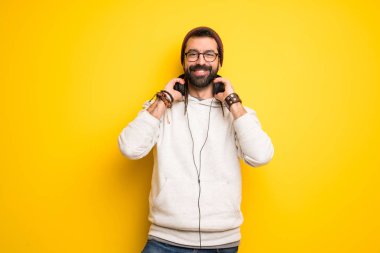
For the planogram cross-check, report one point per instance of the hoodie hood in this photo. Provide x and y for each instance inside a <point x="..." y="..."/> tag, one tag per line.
<point x="196" y="101"/>
<point x="206" y="101"/>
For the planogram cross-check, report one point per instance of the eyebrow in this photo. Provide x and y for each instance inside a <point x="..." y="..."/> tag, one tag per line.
<point x="209" y="50"/>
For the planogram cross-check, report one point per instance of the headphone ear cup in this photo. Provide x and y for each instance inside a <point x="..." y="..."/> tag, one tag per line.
<point x="218" y="87"/>
<point x="180" y="87"/>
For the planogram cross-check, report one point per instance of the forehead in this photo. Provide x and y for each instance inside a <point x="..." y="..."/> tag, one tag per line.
<point x="201" y="44"/>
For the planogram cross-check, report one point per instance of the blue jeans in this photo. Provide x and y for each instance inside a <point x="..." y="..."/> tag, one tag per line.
<point x="153" y="246"/>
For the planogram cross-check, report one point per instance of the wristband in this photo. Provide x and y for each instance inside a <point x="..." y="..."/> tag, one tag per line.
<point x="231" y="99"/>
<point x="164" y="98"/>
<point x="170" y="95"/>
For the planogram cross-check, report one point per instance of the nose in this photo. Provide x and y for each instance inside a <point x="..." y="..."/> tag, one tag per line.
<point x="201" y="59"/>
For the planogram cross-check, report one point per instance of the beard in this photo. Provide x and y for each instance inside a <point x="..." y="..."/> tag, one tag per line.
<point x="200" y="82"/>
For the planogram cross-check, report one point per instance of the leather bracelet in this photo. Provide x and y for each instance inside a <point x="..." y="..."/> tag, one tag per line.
<point x="162" y="96"/>
<point x="170" y="95"/>
<point x="231" y="99"/>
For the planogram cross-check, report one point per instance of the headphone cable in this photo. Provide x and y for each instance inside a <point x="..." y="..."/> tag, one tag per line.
<point x="200" y="166"/>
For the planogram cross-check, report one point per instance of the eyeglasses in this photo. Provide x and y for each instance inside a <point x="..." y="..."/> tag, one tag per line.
<point x="208" y="56"/>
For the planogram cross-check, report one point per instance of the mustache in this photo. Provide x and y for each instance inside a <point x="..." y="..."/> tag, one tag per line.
<point x="200" y="67"/>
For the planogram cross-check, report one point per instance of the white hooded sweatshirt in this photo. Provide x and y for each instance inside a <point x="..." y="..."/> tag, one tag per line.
<point x="183" y="209"/>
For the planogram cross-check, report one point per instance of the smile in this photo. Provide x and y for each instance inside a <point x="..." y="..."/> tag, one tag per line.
<point x="200" y="72"/>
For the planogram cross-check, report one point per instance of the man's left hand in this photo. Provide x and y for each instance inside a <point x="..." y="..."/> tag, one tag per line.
<point x="228" y="89"/>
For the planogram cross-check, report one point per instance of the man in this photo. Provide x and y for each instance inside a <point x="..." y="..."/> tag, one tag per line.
<point x="198" y="138"/>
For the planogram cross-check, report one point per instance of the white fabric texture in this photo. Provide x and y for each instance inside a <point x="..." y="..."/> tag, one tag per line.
<point x="173" y="199"/>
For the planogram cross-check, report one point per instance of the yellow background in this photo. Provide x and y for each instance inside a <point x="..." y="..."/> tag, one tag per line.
<point x="74" y="74"/>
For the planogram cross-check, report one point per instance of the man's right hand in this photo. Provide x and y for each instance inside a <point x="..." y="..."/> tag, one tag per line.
<point x="177" y="96"/>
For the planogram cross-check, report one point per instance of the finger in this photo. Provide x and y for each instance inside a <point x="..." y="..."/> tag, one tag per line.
<point x="219" y="79"/>
<point x="179" y="80"/>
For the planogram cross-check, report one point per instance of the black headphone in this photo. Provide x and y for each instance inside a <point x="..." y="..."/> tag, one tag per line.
<point x="216" y="88"/>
